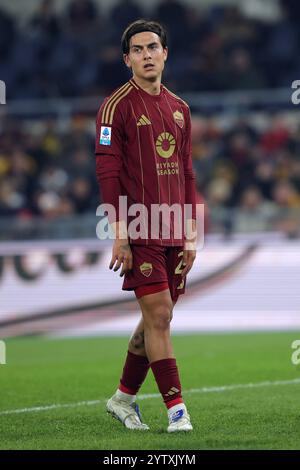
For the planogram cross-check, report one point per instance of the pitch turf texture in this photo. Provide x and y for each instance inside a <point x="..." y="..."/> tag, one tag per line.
<point x="42" y="372"/>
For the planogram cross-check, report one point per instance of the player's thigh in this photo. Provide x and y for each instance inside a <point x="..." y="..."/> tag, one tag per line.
<point x="157" y="309"/>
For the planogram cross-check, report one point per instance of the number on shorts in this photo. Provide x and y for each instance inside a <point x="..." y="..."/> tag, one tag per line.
<point x="179" y="267"/>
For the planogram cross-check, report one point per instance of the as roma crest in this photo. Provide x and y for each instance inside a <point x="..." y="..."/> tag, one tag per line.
<point x="179" y="119"/>
<point x="146" y="269"/>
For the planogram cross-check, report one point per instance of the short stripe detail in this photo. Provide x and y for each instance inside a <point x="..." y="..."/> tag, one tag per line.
<point x="172" y="391"/>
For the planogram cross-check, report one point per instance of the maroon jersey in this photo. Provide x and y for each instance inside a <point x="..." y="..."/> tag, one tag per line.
<point x="143" y="148"/>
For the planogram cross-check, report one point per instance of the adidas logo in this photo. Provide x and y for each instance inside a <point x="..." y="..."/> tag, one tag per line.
<point x="143" y="121"/>
<point x="171" y="392"/>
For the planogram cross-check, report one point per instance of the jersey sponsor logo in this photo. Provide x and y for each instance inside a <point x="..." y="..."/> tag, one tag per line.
<point x="179" y="119"/>
<point x="167" y="168"/>
<point x="105" y="135"/>
<point x="146" y="269"/>
<point x="143" y="121"/>
<point x="165" y="145"/>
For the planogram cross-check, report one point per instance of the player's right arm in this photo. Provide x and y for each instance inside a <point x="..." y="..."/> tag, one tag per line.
<point x="109" y="162"/>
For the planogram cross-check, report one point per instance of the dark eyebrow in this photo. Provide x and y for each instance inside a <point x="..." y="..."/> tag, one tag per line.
<point x="148" y="45"/>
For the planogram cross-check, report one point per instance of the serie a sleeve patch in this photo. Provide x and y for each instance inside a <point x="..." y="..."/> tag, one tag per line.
<point x="105" y="135"/>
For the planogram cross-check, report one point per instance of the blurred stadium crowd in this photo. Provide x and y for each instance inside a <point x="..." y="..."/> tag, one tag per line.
<point x="77" y="52"/>
<point x="51" y="173"/>
<point x="253" y="165"/>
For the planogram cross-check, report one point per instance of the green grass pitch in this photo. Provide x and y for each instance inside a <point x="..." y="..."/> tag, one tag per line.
<point x="44" y="372"/>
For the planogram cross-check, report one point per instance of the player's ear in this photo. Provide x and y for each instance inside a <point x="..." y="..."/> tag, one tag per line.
<point x="127" y="60"/>
<point x="165" y="53"/>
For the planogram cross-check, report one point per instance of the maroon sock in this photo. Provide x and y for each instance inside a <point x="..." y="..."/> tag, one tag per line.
<point x="167" y="378"/>
<point x="134" y="373"/>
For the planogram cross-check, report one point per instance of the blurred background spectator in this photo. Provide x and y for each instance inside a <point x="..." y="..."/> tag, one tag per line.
<point x="237" y="167"/>
<point x="75" y="51"/>
<point x="247" y="165"/>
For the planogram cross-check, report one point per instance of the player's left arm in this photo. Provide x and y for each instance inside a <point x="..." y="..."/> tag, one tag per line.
<point x="189" y="251"/>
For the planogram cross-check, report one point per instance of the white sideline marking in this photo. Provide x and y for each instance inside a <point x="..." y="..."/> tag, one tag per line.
<point x="223" y="388"/>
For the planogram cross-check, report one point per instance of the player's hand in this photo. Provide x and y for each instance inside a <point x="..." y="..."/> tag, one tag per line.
<point x="190" y="246"/>
<point x="188" y="259"/>
<point x="121" y="256"/>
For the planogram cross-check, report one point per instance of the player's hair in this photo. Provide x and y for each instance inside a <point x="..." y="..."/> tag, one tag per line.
<point x="139" y="26"/>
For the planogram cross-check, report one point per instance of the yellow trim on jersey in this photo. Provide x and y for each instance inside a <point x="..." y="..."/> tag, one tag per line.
<point x="133" y="84"/>
<point x="112" y="111"/>
<point x="111" y="100"/>
<point x="104" y="113"/>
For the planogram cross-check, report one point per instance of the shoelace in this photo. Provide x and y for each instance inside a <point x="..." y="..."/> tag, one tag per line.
<point x="133" y="413"/>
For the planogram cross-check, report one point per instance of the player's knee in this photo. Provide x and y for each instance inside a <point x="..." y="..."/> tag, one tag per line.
<point x="161" y="317"/>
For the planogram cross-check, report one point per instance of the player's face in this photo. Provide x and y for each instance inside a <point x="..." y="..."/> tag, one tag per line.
<point x="146" y="56"/>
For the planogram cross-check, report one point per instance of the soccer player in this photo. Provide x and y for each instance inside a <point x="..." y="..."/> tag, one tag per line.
<point x="143" y="151"/>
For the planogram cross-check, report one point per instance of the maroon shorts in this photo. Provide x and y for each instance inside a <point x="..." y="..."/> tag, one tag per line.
<point x="156" y="264"/>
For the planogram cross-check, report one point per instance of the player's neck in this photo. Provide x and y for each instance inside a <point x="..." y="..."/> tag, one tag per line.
<point x="153" y="88"/>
